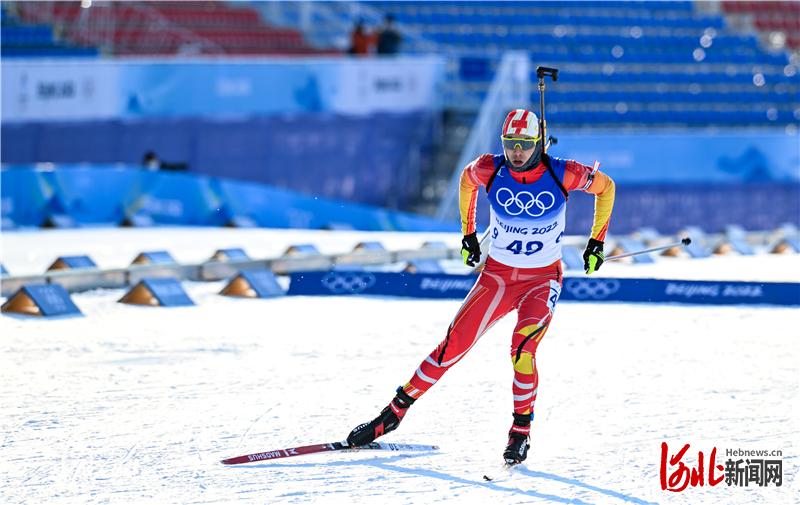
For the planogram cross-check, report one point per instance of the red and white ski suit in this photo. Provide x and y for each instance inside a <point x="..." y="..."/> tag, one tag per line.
<point x="529" y="287"/>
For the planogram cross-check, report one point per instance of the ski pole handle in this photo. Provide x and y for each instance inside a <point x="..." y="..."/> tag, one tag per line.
<point x="684" y="242"/>
<point x="477" y="268"/>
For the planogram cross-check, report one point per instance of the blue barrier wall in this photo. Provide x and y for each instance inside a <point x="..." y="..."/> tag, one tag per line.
<point x="670" y="208"/>
<point x="110" y="195"/>
<point x="178" y="199"/>
<point x="682" y="157"/>
<point x="574" y="289"/>
<point x="25" y="199"/>
<point x="670" y="180"/>
<point x="368" y="159"/>
<point x="343" y="128"/>
<point x="276" y="208"/>
<point x="91" y="197"/>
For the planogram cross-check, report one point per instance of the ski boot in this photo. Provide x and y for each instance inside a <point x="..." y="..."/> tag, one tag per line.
<point x="387" y="421"/>
<point x="518" y="440"/>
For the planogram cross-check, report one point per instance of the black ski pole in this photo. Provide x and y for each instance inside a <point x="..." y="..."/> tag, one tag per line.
<point x="684" y="242"/>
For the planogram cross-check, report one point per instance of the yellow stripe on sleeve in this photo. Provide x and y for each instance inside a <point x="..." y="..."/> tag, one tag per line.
<point x="467" y="202"/>
<point x="604" y="190"/>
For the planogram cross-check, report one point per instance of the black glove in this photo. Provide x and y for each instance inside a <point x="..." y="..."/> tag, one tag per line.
<point x="470" y="250"/>
<point x="593" y="256"/>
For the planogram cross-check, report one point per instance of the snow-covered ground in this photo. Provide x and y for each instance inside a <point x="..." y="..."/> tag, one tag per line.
<point x="138" y="405"/>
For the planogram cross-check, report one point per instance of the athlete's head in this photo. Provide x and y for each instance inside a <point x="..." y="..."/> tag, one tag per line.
<point x="520" y="137"/>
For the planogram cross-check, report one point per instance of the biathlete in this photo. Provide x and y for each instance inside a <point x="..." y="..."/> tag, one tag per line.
<point x="528" y="192"/>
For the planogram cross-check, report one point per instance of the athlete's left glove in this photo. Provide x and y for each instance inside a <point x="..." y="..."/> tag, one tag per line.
<point x="593" y="256"/>
<point x="471" y="250"/>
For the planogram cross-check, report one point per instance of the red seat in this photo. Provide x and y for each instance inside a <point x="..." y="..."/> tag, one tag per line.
<point x="164" y="27"/>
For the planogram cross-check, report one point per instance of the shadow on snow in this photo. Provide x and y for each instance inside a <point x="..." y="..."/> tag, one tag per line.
<point x="385" y="463"/>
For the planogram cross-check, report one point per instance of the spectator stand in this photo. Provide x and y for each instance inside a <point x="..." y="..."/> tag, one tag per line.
<point x="165" y="28"/>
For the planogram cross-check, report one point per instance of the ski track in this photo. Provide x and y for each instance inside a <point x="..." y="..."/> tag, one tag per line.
<point x="146" y="411"/>
<point x="138" y="405"/>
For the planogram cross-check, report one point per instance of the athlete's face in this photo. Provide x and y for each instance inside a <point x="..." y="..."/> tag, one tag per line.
<point x="517" y="155"/>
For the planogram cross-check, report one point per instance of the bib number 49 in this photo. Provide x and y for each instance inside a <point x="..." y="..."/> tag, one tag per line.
<point x="531" y="247"/>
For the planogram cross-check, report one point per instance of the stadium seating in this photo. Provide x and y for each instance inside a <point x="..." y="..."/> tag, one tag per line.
<point x="623" y="63"/>
<point x="161" y="28"/>
<point x="771" y="17"/>
<point x="19" y="39"/>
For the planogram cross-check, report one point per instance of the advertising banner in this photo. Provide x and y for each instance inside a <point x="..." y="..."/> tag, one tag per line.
<point x="140" y="88"/>
<point x="574" y="289"/>
<point x="394" y="84"/>
<point x="60" y="90"/>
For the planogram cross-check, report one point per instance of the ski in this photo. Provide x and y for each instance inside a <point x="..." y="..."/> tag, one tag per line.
<point x="317" y="448"/>
<point x="505" y="472"/>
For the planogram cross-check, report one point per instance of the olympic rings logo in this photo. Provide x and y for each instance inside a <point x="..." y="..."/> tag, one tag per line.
<point x="524" y="201"/>
<point x="351" y="283"/>
<point x="595" y="289"/>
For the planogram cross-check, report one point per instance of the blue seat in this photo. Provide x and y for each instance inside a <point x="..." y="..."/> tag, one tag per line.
<point x="671" y="32"/>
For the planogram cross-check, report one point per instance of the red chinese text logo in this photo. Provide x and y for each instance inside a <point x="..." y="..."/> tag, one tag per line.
<point x="676" y="479"/>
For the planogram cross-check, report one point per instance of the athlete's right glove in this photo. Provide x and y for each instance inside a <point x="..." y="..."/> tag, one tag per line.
<point x="593" y="256"/>
<point x="471" y="250"/>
